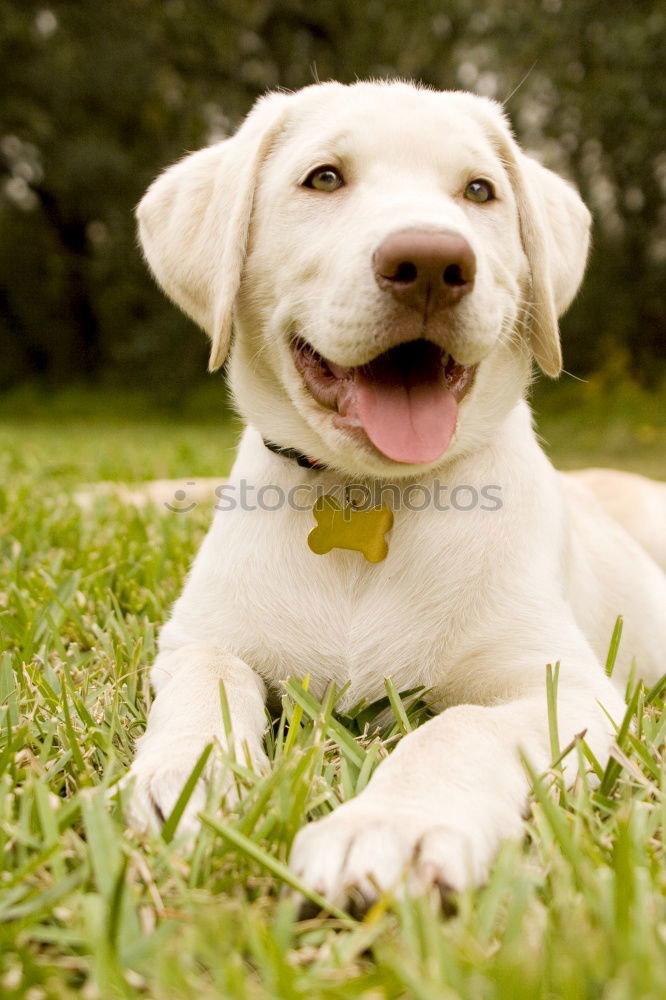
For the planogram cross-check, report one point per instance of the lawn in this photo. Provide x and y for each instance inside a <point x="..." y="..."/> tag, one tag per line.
<point x="87" y="909"/>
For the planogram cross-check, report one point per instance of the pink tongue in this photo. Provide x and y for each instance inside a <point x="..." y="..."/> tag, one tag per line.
<point x="406" y="410"/>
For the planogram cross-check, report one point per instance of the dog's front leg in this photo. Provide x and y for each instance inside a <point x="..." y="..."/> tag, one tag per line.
<point x="436" y="811"/>
<point x="187" y="715"/>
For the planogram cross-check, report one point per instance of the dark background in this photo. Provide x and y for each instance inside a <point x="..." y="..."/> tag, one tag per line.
<point x="97" y="97"/>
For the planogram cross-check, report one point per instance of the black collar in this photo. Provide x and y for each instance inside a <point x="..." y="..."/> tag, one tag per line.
<point x="295" y="456"/>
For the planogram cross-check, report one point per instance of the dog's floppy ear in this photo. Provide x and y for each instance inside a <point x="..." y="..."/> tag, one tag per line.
<point x="555" y="230"/>
<point x="194" y="221"/>
<point x="555" y="227"/>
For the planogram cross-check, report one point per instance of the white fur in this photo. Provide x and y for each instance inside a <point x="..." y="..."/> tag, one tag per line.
<point x="472" y="604"/>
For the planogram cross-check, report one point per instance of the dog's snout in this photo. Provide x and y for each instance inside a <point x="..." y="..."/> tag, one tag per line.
<point x="425" y="269"/>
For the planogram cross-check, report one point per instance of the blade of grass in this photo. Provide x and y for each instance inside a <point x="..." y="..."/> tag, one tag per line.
<point x="295" y="721"/>
<point x="171" y="823"/>
<point x="277" y="868"/>
<point x="335" y="729"/>
<point x="397" y="706"/>
<point x="552" y="679"/>
<point x="614" y="646"/>
<point x="73" y="739"/>
<point x="613" y="768"/>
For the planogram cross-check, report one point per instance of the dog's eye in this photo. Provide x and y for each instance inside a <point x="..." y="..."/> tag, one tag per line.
<point x="324" y="179"/>
<point x="479" y="191"/>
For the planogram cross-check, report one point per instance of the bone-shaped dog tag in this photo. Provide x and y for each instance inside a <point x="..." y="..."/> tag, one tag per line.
<point x="350" y="527"/>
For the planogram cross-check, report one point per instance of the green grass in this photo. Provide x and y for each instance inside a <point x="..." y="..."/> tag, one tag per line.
<point x="87" y="909"/>
<point x="602" y="421"/>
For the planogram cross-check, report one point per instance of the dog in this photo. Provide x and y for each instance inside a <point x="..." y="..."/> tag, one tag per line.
<point x="392" y="265"/>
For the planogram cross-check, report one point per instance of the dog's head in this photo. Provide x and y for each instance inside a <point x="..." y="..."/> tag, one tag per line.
<point x="390" y="261"/>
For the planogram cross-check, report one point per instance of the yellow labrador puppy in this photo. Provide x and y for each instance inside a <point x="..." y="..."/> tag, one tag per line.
<point x="392" y="265"/>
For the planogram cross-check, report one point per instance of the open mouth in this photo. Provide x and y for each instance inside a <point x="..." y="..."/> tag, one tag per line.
<point x="405" y="400"/>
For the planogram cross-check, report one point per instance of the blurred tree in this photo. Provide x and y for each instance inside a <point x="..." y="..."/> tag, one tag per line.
<point x="97" y="97"/>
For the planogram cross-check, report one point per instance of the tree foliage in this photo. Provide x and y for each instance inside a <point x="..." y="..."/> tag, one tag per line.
<point x="95" y="98"/>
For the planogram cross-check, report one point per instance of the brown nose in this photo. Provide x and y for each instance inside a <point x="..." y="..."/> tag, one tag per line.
<point x="424" y="269"/>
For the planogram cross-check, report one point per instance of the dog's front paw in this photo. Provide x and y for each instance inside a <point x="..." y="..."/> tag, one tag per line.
<point x="158" y="775"/>
<point x="358" y="853"/>
<point x="155" y="787"/>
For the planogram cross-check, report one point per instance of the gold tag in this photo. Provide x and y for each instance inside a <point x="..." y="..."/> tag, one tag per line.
<point x="350" y="527"/>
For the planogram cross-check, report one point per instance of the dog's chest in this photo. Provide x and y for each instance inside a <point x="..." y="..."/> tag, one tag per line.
<point x="335" y="617"/>
<point x="334" y="630"/>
